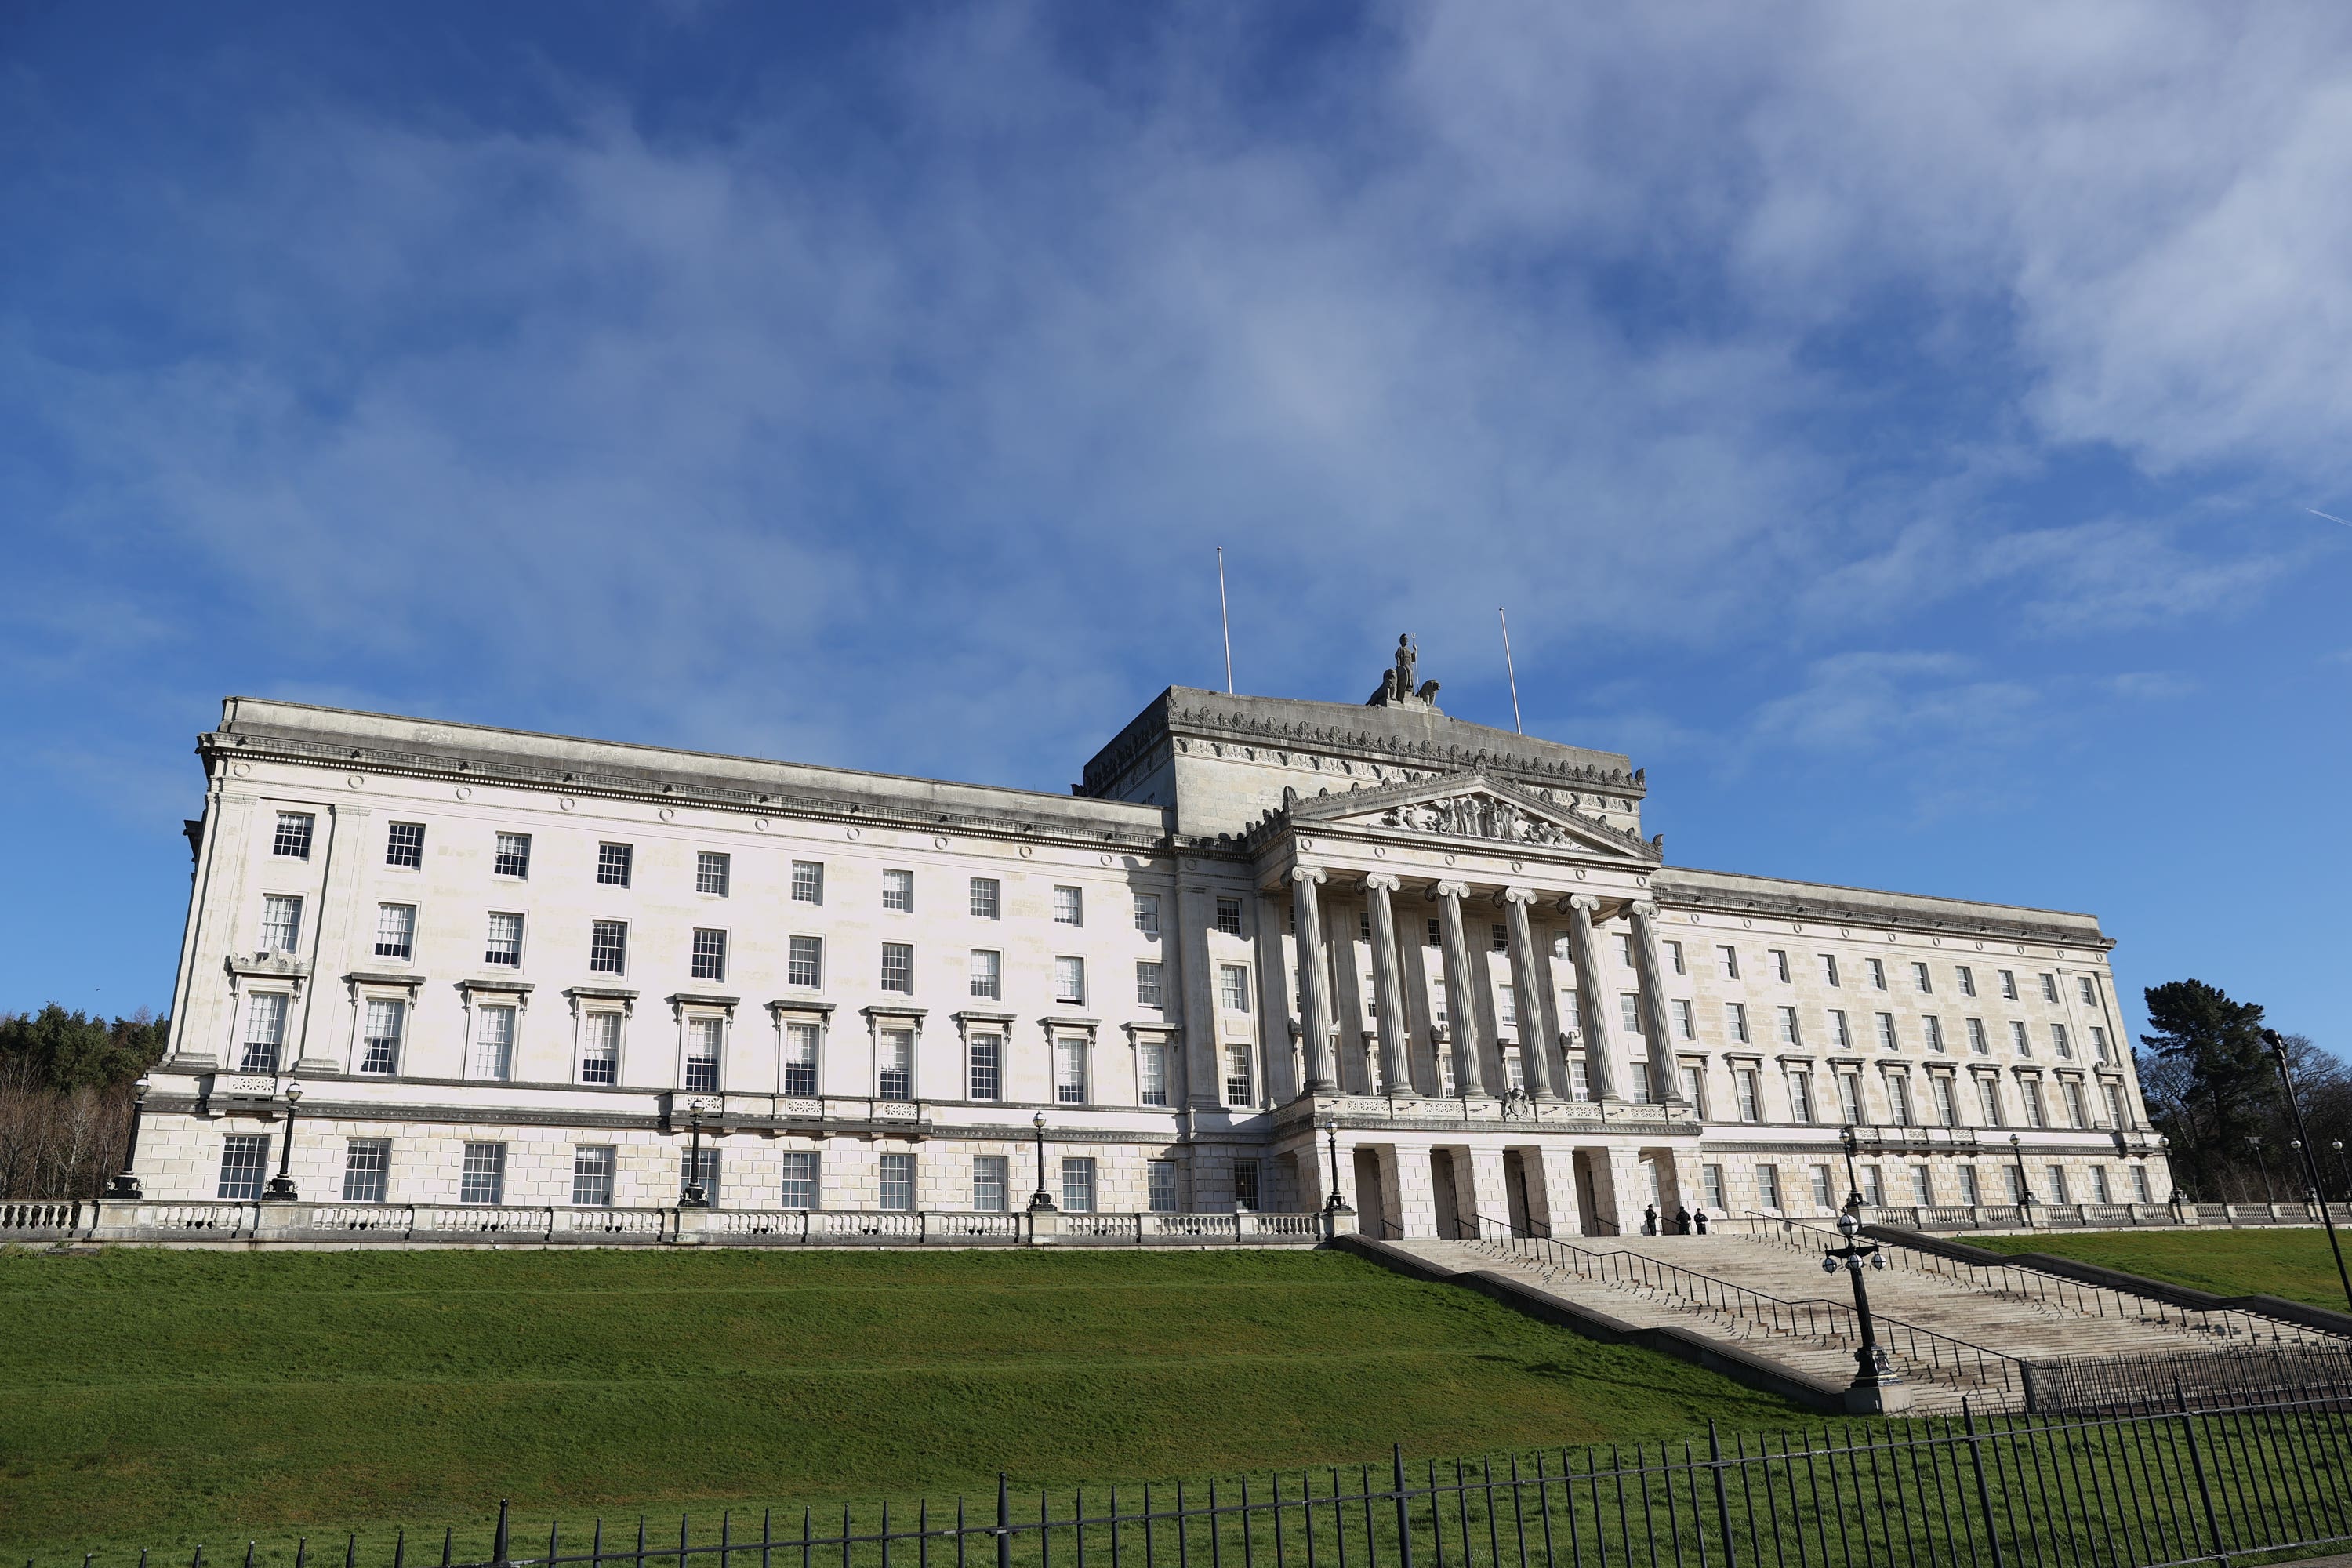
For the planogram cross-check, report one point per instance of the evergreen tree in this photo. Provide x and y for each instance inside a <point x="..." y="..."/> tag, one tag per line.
<point x="2226" y="1085"/>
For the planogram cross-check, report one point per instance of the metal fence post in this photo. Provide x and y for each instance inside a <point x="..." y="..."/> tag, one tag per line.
<point x="1984" y="1488"/>
<point x="2204" y="1489"/>
<point x="1004" y="1522"/>
<point x="498" y="1541"/>
<point x="1722" y="1493"/>
<point x="1403" y="1510"/>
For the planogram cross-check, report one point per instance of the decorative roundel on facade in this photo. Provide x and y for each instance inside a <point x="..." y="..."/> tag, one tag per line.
<point x="851" y="832"/>
<point x="1580" y="870"/>
<point x="941" y="844"/>
<point x="1890" y="936"/>
<point x="1519" y="865"/>
<point x="761" y="823"/>
<point x="1379" y="852"/>
<point x="1191" y="864"/>
<point x="1934" y="942"/>
<point x="1306" y="844"/>
<point x="1979" y="947"/>
<point x="1640" y="881"/>
<point x="1025" y="850"/>
<point x="668" y="815"/>
<point x="1845" y="931"/>
<point x="1746" y="922"/>
<point x="240" y="769"/>
<point x="566" y="802"/>
<point x="357" y="780"/>
<point x="1796" y="930"/>
<point x="1449" y="859"/>
<point x="465" y="792"/>
<point x="2021" y="950"/>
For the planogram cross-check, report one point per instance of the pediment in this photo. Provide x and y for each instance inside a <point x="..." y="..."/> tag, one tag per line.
<point x="1471" y="806"/>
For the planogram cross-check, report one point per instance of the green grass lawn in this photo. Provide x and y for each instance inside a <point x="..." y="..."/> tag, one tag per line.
<point x="151" y="1398"/>
<point x="2295" y="1264"/>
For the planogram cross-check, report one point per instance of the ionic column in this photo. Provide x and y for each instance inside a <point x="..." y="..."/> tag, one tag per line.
<point x="1314" y="989"/>
<point x="1388" y="982"/>
<point x="1664" y="1082"/>
<point x="1461" y="999"/>
<point x="1591" y="1010"/>
<point x="1528" y="993"/>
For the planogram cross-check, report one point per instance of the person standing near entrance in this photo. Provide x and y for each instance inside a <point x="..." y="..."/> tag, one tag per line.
<point x="1649" y="1220"/>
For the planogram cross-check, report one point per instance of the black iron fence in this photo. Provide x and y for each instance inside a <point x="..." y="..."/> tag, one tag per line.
<point x="2310" y="1374"/>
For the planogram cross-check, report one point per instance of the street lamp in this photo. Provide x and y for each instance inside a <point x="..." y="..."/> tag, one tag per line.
<point x="281" y="1186"/>
<point x="692" y="1194"/>
<point x="1852" y="1182"/>
<point x="1871" y="1370"/>
<point x="2024" y="1187"/>
<point x="2255" y="1143"/>
<point x="1041" y="1201"/>
<point x="2342" y="1169"/>
<point x="125" y="1184"/>
<point x="2310" y="1169"/>
<point x="1335" y="1203"/>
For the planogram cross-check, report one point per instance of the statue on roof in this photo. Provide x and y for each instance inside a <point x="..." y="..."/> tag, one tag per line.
<point x="1397" y="682"/>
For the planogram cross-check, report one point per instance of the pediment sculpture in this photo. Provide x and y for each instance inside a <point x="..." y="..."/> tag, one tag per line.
<point x="1477" y="815"/>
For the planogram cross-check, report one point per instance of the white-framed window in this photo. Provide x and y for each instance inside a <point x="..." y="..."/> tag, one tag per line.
<point x="1919" y="978"/>
<point x="494" y="1033"/>
<point x="1886" y="1040"/>
<point x="2016" y="1183"/>
<point x="898" y="968"/>
<point x="1735" y="1022"/>
<point x="396" y="931"/>
<point x="1232" y="988"/>
<point x="1710" y="1186"/>
<point x="2075" y="1117"/>
<point x="2141" y="1192"/>
<point x="482" y="1177"/>
<point x="1152" y="1073"/>
<point x="1078" y="1185"/>
<point x="1923" y="1186"/>
<point x="1629" y="1008"/>
<point x="991" y="1176"/>
<point x="1728" y="957"/>
<point x="403" y="845"/>
<point x="1968" y="978"/>
<point x="1241" y="1081"/>
<point x="2060" y="1043"/>
<point x="1695" y="1090"/>
<point x="714" y="873"/>
<point x="1674" y="953"/>
<point x="1160" y="1185"/>
<point x="1751" y="1099"/>
<point x="893" y="1076"/>
<point x="1818" y="1177"/>
<point x="265" y="1031"/>
<point x="2050" y="988"/>
<point x="1829" y="968"/>
<point x="1624" y="947"/>
<point x="1786" y="1024"/>
<point x="898" y="891"/>
<point x="1850" y="1097"/>
<point x="894" y="1183"/>
<point x="1988" y="1100"/>
<point x="710" y="961"/>
<point x="367" y="1170"/>
<point x="2090" y="992"/>
<point x="699" y="1168"/>
<point x="1768" y="1187"/>
<point x="608" y="947"/>
<point x="503" y="945"/>
<point x="1150" y="978"/>
<point x="1781" y="965"/>
<point x="592" y="1176"/>
<point x="387" y="1018"/>
<point x="702" y="1038"/>
<point x="2098" y="1044"/>
<point x="2018" y="1037"/>
<point x="800" y="1059"/>
<point x="799" y="1188"/>
<point x="1932" y="1030"/>
<point x="808" y="881"/>
<point x="1948" y="1110"/>
<point x="984" y="899"/>
<point x="2056" y="1176"/>
<point x="1507" y="998"/>
<point x="987" y="974"/>
<point x="2100" y="1192"/>
<point x="1800" y="1095"/>
<point x="1873" y="1187"/>
<point x="1877" y="972"/>
<point x="1640" y="1073"/>
<point x="600" y="1046"/>
<point x="293" y="837"/>
<point x="804" y="961"/>
<point x="2009" y="985"/>
<point x="281" y="923"/>
<point x="245" y="1157"/>
<point x="1971" y="1195"/>
<point x="2116" y="1117"/>
<point x="1070" y="981"/>
<point x="512" y="856"/>
<point x="615" y="863"/>
<point x="1839" y="1034"/>
<point x="1978" y="1044"/>
<point x="1069" y="906"/>
<point x="1070" y="1070"/>
<point x="1580" y="1079"/>
<point x="1229" y="916"/>
<point x="1246" y="1186"/>
<point x="985" y="1061"/>
<point x="1146" y="913"/>
<point x="1684" y="1024"/>
<point x="1898" y="1097"/>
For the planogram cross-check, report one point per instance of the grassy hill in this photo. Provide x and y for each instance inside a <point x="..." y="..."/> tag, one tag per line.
<point x="161" y="1398"/>
<point x="2293" y="1263"/>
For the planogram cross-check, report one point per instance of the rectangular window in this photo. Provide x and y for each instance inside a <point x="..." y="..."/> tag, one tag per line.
<point x="395" y="931"/>
<point x="592" y="1176"/>
<point x="1923" y="1186"/>
<point x="1629" y="1009"/>
<point x="702" y="1035"/>
<point x="482" y="1179"/>
<point x="800" y="1059"/>
<point x="896" y="1185"/>
<point x="1640" y="1073"/>
<point x="1873" y="1187"/>
<point x="367" y="1170"/>
<point x="898" y="891"/>
<point x="1710" y="1185"/>
<point x="608" y="947"/>
<point x="1684" y="1024"/>
<point x="1625" y="948"/>
<point x="1768" y="1187"/>
<point x="513" y="856"/>
<point x="1977" y="1042"/>
<point x="988" y="974"/>
<point x="984" y="900"/>
<point x="1968" y="980"/>
<point x="2114" y="1094"/>
<point x="494" y="1030"/>
<point x="380" y="1039"/>
<point x="403" y="845"/>
<point x="1149" y="978"/>
<point x="243" y="1157"/>
<point x="1232" y="988"/>
<point x="293" y="838"/>
<point x="1580" y="1081"/>
<point x="1070" y="981"/>
<point x="2016" y="1183"/>
<point x="2050" y="988"/>
<point x="2060" y="1043"/>
<point x="1829" y="969"/>
<point x="1970" y="1193"/>
<point x="1070" y="1070"/>
<point x="1695" y="1090"/>
<point x="1989" y="1099"/>
<point x="1146" y="913"/>
<point x="699" y="1171"/>
<point x="2009" y="985"/>
<point x="1948" y="1110"/>
<point x="614" y="863"/>
<point x="1877" y="974"/>
<point x="2090" y="989"/>
<point x="1735" y="1022"/>
<point x="804" y="961"/>
<point x="1508" y="999"/>
<point x="894" y="1076"/>
<point x="2140" y="1189"/>
<point x="1800" y="1095"/>
<point x="1850" y="1097"/>
<point x="1151" y="1071"/>
<point x="1898" y="1097"/>
<point x="1819" y="1176"/>
<point x="898" y="968"/>
<point x="281" y="923"/>
<point x="1752" y="1100"/>
<point x="1839" y="1034"/>
<point x="1788" y="1025"/>
<point x="2072" y="1091"/>
<point x="714" y="871"/>
<point x="2056" y="1175"/>
<point x="1069" y="907"/>
<point x="799" y="1189"/>
<point x="1433" y="936"/>
<point x="1933" y="1029"/>
<point x="2100" y="1192"/>
<point x="2098" y="1044"/>
<point x="709" y="954"/>
<point x="1781" y="965"/>
<point x="1246" y="1186"/>
<point x="1919" y="978"/>
<point x="1498" y="939"/>
<point x="1730" y="958"/>
<point x="991" y="1176"/>
<point x="503" y="946"/>
<point x="1240" y="1082"/>
<point x="1078" y="1185"/>
<point x="808" y="881"/>
<point x="1160" y="1185"/>
<point x="1229" y="916"/>
<point x="600" y="1046"/>
<point x="1886" y="1040"/>
<point x="2020" y="1038"/>
<point x="265" y="1031"/>
<point x="1674" y="954"/>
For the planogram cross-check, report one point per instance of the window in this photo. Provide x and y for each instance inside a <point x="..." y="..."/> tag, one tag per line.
<point x="988" y="974"/>
<point x="699" y="1168"/>
<point x="1977" y="1042"/>
<point x="1674" y="954"/>
<point x="1435" y="936"/>
<point x="2090" y="989"/>
<point x="281" y="923"/>
<point x="1629" y="1010"/>
<point x="504" y="944"/>
<point x="1239" y="1079"/>
<point x="1069" y="907"/>
<point x="600" y="1046"/>
<point x="1819" y="1176"/>
<point x="991" y="1175"/>
<point x="1070" y="1070"/>
<point x="614" y="862"/>
<point x="1625" y="948"/>
<point x="895" y="1189"/>
<point x="2098" y="1044"/>
<point x="1507" y="997"/>
<point x="403" y="845"/>
<point x="1788" y="1025"/>
<point x="1070" y="981"/>
<point x="1898" y="1097"/>
<point x="2072" y="1091"/>
<point x="808" y="881"/>
<point x="1886" y="1040"/>
<point x="1684" y="1024"/>
<point x="513" y="856"/>
<point x="1947" y="1111"/>
<point x="2100" y="1192"/>
<point x="395" y="931"/>
<point x="1146" y="913"/>
<point x="1768" y="1187"/>
<point x="1735" y="1021"/>
<point x="898" y="891"/>
<point x="702" y="1035"/>
<point x="1752" y="1100"/>
<point x="2050" y="988"/>
<point x="2140" y="1189"/>
<point x="713" y="872"/>
<point x="1246" y="1186"/>
<point x="1923" y="1186"/>
<point x="1710" y="1185"/>
<point x="1580" y="1081"/>
<point x="1695" y="1090"/>
<point x="1829" y="969"/>
<point x="592" y="1176"/>
<point x="1730" y="958"/>
<point x="898" y="968"/>
<point x="2009" y="985"/>
<point x="1781" y="965"/>
<point x="244" y="1156"/>
<point x="1160" y="1185"/>
<point x="1640" y="1073"/>
<point x="293" y="840"/>
<point x="2060" y="1043"/>
<point x="1933" y="1029"/>
<point x="367" y="1170"/>
<point x="800" y="1059"/>
<point x="1873" y="1187"/>
<point x="493" y="1043"/>
<point x="1800" y="1095"/>
<point x="1970" y="1193"/>
<point x="1850" y="1097"/>
<point x="1078" y="1186"/>
<point x="482" y="1179"/>
<point x="1839" y="1034"/>
<point x="1988" y="1096"/>
<point x="799" y="1189"/>
<point x="804" y="961"/>
<point x="894" y="1076"/>
<point x="1498" y="939"/>
<point x="1229" y="916"/>
<point x="265" y="1031"/>
<point x="608" y="946"/>
<point x="2020" y="1038"/>
<point x="1232" y="988"/>
<point x="2114" y="1094"/>
<point x="709" y="954"/>
<point x="1877" y="974"/>
<point x="380" y="1041"/>
<point x="1919" y="978"/>
<point x="1968" y="980"/>
<point x="1148" y="977"/>
<point x="2017" y="1194"/>
<point x="2056" y="1174"/>
<point x="1151" y="1072"/>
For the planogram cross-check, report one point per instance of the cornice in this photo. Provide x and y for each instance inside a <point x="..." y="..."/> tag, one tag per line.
<point x="1850" y="910"/>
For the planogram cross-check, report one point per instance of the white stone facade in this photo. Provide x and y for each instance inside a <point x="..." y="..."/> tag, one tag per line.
<point x="454" y="936"/>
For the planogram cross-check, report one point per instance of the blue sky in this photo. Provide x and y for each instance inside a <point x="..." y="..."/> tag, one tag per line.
<point x="1893" y="425"/>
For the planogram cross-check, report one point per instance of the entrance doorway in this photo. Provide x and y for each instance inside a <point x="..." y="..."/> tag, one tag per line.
<point x="1442" y="1193"/>
<point x="1596" y="1194"/>
<point x="1372" y="1217"/>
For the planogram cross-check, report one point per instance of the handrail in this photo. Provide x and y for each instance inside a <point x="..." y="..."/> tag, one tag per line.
<point x="1940" y="1353"/>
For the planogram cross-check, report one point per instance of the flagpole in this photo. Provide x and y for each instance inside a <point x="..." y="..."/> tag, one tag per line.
<point x="1510" y="670"/>
<point x="1226" y="615"/>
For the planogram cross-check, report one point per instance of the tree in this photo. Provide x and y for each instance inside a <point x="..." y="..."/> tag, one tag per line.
<point x="2225" y="1090"/>
<point x="65" y="1096"/>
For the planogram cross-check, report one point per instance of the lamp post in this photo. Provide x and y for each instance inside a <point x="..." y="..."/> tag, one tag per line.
<point x="1852" y="1182"/>
<point x="692" y="1194"/>
<point x="1041" y="1201"/>
<point x="1870" y="1371"/>
<point x="2270" y="1194"/>
<point x="2024" y="1187"/>
<point x="2342" y="1169"/>
<point x="1335" y="1203"/>
<point x="281" y="1186"/>
<point x="2310" y="1168"/>
<point x="125" y="1184"/>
